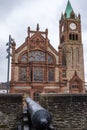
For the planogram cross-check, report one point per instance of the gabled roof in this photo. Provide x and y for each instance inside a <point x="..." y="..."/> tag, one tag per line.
<point x="37" y="35"/>
<point x="36" y="39"/>
<point x="21" y="47"/>
<point x="75" y="77"/>
<point x="68" y="10"/>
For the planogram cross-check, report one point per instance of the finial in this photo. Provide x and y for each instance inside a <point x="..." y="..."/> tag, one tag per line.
<point x="72" y="15"/>
<point x="75" y="73"/>
<point x="46" y="30"/>
<point x="62" y="16"/>
<point x="79" y="16"/>
<point x="28" y="30"/>
<point x="37" y="27"/>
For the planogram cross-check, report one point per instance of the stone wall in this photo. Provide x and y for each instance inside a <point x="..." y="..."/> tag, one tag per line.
<point x="10" y="111"/>
<point x="69" y="111"/>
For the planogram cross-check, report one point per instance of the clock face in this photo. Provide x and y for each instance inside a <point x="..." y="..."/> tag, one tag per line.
<point x="72" y="26"/>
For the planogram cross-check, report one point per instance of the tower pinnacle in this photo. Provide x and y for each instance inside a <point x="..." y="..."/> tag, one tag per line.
<point x="68" y="10"/>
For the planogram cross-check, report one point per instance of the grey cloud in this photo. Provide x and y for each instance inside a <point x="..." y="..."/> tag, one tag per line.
<point x="17" y="15"/>
<point x="6" y="7"/>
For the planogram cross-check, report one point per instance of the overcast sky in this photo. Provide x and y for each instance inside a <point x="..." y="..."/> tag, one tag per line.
<point x="17" y="15"/>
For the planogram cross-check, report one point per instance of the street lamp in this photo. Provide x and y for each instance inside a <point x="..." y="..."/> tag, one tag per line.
<point x="9" y="44"/>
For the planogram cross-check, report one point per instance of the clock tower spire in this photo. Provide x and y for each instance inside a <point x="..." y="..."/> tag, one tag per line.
<point x="68" y="10"/>
<point x="72" y="48"/>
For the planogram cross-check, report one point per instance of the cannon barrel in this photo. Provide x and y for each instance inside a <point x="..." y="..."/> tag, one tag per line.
<point x="39" y="116"/>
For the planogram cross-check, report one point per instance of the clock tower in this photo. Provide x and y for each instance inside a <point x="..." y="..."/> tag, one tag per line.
<point x="72" y="50"/>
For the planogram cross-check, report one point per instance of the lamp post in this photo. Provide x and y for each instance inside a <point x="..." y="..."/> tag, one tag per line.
<point x="9" y="44"/>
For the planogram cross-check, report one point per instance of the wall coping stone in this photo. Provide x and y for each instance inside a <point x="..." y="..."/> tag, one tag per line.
<point x="11" y="98"/>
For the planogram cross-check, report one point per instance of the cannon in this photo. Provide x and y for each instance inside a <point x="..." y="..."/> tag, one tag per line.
<point x="40" y="118"/>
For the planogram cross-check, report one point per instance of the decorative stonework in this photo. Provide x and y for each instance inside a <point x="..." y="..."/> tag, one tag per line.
<point x="36" y="63"/>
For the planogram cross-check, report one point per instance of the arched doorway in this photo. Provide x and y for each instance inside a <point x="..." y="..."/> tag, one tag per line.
<point x="37" y="96"/>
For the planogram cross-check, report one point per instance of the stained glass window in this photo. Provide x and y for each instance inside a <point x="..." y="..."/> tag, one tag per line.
<point x="22" y="74"/>
<point x="37" y="56"/>
<point x="50" y="59"/>
<point x="24" y="58"/>
<point x="51" y="75"/>
<point x="38" y="74"/>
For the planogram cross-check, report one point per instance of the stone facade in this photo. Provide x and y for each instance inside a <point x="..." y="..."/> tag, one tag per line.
<point x="37" y="67"/>
<point x="10" y="111"/>
<point x="69" y="111"/>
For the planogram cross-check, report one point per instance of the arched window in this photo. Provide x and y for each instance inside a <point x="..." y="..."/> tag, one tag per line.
<point x="38" y="74"/>
<point x="77" y="56"/>
<point x="73" y="36"/>
<point x="24" y="58"/>
<point x="22" y="74"/>
<point x="50" y="59"/>
<point x="51" y="75"/>
<point x="39" y="56"/>
<point x="76" y="36"/>
<point x="70" y="36"/>
<point x="36" y="56"/>
<point x="72" y="56"/>
<point x="36" y="96"/>
<point x="74" y="85"/>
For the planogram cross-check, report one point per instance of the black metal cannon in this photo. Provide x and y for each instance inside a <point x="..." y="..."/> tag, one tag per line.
<point x="40" y="118"/>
